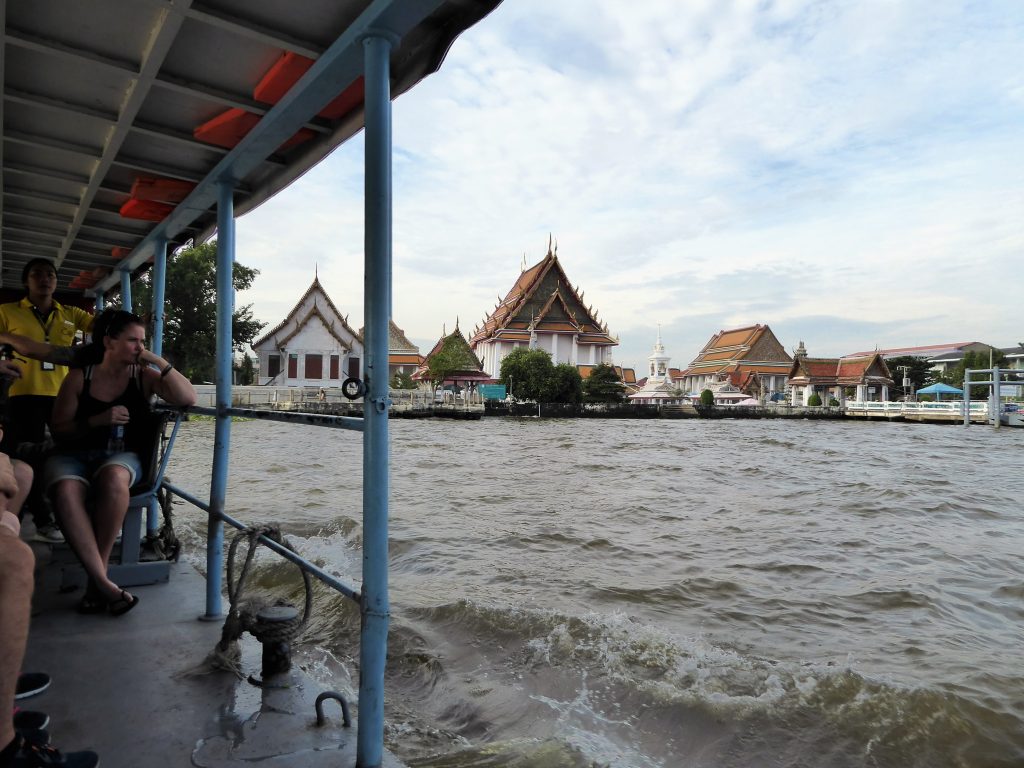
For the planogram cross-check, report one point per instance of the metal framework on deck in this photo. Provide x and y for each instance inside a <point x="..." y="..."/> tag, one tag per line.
<point x="101" y="95"/>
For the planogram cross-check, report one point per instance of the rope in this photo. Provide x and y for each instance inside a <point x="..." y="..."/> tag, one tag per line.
<point x="243" y="616"/>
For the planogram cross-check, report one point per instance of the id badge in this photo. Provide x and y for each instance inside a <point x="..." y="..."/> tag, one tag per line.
<point x="47" y="366"/>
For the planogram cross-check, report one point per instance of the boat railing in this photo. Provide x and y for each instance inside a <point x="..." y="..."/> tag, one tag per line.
<point x="309" y="419"/>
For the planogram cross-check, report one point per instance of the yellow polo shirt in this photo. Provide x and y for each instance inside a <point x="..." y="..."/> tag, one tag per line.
<point x="59" y="330"/>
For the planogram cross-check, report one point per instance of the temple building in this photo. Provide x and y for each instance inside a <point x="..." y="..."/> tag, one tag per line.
<point x="403" y="355"/>
<point x="463" y="366"/>
<point x="658" y="387"/>
<point x="314" y="346"/>
<point x="750" y="359"/>
<point x="543" y="311"/>
<point x="830" y="377"/>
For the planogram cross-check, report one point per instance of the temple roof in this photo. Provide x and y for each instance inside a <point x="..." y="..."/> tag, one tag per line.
<point x="752" y="344"/>
<point x="542" y="300"/>
<point x="398" y="342"/>
<point x="844" y="370"/>
<point x="315" y="287"/>
<point x="469" y="365"/>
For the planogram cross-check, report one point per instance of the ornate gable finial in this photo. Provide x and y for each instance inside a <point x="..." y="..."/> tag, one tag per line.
<point x="556" y="248"/>
<point x="549" y="244"/>
<point x="456" y="322"/>
<point x="444" y="330"/>
<point x="522" y="267"/>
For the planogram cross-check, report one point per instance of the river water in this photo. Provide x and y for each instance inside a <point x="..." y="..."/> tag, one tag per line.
<point x="582" y="593"/>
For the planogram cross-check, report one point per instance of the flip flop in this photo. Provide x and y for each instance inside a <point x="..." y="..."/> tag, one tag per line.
<point x="27" y="720"/>
<point x="123" y="604"/>
<point x="91" y="604"/>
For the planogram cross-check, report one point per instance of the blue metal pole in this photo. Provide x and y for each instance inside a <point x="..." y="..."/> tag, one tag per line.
<point x="126" y="290"/>
<point x="159" y="278"/>
<point x="99" y="302"/>
<point x="377" y="299"/>
<point x="222" y="428"/>
<point x="159" y="281"/>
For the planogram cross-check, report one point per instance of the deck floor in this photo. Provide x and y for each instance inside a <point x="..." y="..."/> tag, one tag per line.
<point x="122" y="686"/>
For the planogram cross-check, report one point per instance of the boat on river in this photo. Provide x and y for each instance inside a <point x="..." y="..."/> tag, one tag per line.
<point x="132" y="128"/>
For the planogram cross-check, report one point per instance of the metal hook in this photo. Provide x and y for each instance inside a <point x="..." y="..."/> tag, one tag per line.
<point x="346" y="720"/>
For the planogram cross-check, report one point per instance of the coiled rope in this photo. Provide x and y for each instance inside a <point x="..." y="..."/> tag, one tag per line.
<point x="244" y="613"/>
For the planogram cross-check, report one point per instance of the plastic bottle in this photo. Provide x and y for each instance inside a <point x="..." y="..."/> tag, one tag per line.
<point x="115" y="443"/>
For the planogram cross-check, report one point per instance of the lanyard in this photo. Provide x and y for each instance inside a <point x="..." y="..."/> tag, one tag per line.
<point x="44" y="325"/>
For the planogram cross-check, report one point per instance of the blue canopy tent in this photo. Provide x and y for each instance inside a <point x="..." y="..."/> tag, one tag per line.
<point x="939" y="389"/>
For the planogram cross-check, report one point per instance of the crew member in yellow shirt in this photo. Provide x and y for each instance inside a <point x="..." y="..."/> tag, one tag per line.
<point x="31" y="397"/>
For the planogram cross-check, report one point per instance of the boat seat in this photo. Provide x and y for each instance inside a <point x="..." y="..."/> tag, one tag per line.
<point x="128" y="567"/>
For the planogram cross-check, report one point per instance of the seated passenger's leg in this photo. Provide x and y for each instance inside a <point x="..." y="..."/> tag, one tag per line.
<point x="69" y="500"/>
<point x="111" y="483"/>
<point x="16" y="580"/>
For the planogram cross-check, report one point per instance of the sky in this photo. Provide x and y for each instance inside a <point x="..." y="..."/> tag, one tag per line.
<point x="850" y="174"/>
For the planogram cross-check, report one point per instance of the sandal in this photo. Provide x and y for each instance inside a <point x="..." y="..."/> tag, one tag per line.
<point x="122" y="604"/>
<point x="91" y="601"/>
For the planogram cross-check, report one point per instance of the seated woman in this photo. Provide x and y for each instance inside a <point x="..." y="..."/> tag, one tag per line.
<point x="92" y="422"/>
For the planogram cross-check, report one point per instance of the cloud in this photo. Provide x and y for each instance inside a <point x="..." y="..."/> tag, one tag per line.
<point x="847" y="173"/>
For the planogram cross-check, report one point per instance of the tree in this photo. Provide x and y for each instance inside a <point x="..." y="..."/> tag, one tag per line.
<point x="190" y="298"/>
<point x="525" y="372"/>
<point x="402" y="380"/>
<point x="973" y="360"/>
<point x="707" y="397"/>
<point x="246" y="371"/>
<point x="449" y="359"/>
<point x="564" y="385"/>
<point x="603" y="385"/>
<point x="814" y="400"/>
<point x="918" y="370"/>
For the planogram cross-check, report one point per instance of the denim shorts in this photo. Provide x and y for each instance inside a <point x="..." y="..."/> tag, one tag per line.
<point x="85" y="465"/>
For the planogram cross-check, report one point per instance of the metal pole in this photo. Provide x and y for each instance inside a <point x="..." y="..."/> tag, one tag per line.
<point x="99" y="303"/>
<point x="222" y="429"/>
<point x="159" y="281"/>
<point x="997" y="406"/>
<point x="377" y="298"/>
<point x="126" y="290"/>
<point x="967" y="397"/>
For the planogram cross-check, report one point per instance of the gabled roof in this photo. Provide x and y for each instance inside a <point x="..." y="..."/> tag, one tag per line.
<point x="398" y="343"/>
<point x="846" y="371"/>
<point x="626" y="375"/>
<point x="315" y="287"/>
<point x="544" y="300"/>
<point x="738" y="345"/>
<point x="470" y="366"/>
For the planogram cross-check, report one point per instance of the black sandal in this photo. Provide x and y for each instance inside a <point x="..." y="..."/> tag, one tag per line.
<point x="122" y="604"/>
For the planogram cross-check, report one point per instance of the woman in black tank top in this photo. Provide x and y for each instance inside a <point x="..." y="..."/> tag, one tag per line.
<point x="93" y="414"/>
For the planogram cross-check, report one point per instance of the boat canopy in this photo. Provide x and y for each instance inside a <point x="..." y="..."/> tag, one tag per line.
<point x="120" y="118"/>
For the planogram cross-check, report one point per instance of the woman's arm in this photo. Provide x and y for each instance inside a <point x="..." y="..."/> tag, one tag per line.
<point x="166" y="381"/>
<point x="37" y="350"/>
<point x="66" y="406"/>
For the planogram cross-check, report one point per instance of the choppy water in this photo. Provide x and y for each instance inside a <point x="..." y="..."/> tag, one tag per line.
<point x="668" y="593"/>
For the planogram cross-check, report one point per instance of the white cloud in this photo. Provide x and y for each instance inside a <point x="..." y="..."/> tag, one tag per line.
<point x="854" y="167"/>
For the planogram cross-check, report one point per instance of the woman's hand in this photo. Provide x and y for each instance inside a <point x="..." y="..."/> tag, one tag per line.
<point x="116" y="415"/>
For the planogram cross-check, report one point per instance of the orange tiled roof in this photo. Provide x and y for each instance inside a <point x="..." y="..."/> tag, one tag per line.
<point x="404" y="359"/>
<point x="562" y="310"/>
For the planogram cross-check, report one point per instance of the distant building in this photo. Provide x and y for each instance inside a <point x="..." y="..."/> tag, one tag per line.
<point x="403" y="355"/>
<point x="830" y="377"/>
<point x="467" y="370"/>
<point x="943" y="357"/>
<point x="314" y="346"/>
<point x="543" y="311"/>
<point x="749" y="358"/>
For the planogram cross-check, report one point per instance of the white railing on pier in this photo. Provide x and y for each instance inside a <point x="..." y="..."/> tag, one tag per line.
<point x="945" y="407"/>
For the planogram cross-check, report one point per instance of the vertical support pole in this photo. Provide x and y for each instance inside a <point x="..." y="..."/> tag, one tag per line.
<point x="157" y="342"/>
<point x="126" y="290"/>
<point x="99" y="303"/>
<point x="159" y="282"/>
<point x="997" y="403"/>
<point x="967" y="397"/>
<point x="222" y="428"/>
<point x="377" y="299"/>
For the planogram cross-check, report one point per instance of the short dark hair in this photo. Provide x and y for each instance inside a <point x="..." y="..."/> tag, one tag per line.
<point x="112" y="322"/>
<point x="35" y="263"/>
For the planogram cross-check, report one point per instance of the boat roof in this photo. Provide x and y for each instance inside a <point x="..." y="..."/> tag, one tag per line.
<point x="158" y="101"/>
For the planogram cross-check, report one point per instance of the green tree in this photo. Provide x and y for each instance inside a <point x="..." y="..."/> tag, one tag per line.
<point x="402" y="380"/>
<point x="814" y="400"/>
<point x="190" y="299"/>
<point x="525" y="373"/>
<point x="918" y="370"/>
<point x="564" y="385"/>
<point x="246" y="371"/>
<point x="448" y="360"/>
<point x="973" y="360"/>
<point x="603" y="385"/>
<point x="707" y="397"/>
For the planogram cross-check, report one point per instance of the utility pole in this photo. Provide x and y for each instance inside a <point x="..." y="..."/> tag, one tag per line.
<point x="908" y="385"/>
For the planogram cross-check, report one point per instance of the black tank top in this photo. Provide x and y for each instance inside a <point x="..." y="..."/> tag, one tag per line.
<point x="133" y="398"/>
